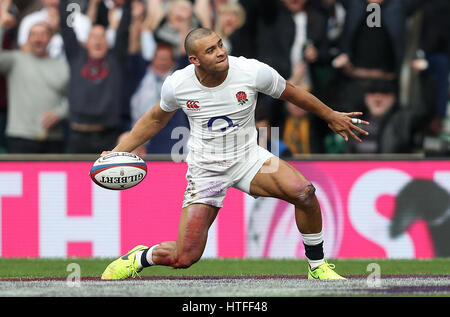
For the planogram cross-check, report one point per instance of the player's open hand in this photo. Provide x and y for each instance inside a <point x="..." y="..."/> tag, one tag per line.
<point x="344" y="124"/>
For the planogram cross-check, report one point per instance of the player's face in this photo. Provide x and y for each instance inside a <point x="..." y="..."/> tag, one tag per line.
<point x="211" y="55"/>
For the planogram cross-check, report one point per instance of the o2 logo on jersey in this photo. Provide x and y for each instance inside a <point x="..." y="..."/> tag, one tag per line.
<point x="226" y="119"/>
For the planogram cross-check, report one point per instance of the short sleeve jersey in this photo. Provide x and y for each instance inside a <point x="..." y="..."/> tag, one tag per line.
<point x="222" y="120"/>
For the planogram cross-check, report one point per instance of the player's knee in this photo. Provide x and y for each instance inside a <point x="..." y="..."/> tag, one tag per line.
<point x="185" y="261"/>
<point x="303" y="194"/>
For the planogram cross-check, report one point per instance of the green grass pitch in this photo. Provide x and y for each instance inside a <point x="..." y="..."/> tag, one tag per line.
<point x="28" y="268"/>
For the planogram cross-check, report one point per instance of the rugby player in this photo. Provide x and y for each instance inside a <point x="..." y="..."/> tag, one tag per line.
<point x="218" y="93"/>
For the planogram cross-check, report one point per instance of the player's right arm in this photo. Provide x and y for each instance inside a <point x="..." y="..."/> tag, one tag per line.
<point x="145" y="128"/>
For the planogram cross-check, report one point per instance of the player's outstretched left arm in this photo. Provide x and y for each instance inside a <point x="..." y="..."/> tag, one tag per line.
<point x="340" y="122"/>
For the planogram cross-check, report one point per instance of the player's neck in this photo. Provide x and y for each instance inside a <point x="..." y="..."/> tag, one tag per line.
<point x="210" y="80"/>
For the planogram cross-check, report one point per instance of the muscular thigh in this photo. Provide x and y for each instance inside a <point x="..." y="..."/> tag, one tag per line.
<point x="283" y="182"/>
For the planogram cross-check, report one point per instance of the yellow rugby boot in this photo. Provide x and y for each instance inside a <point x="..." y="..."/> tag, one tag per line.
<point x="324" y="272"/>
<point x="124" y="267"/>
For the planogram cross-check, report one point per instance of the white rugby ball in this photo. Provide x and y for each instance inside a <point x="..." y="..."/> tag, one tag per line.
<point x="118" y="170"/>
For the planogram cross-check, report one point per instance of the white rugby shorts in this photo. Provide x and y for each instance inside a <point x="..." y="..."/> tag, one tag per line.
<point x="207" y="186"/>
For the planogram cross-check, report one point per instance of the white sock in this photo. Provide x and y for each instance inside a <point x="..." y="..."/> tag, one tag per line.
<point x="138" y="259"/>
<point x="149" y="257"/>
<point x="315" y="263"/>
<point x="313" y="239"/>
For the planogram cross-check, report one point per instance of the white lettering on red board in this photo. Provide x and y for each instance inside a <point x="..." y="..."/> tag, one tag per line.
<point x="56" y="229"/>
<point x="365" y="218"/>
<point x="10" y="185"/>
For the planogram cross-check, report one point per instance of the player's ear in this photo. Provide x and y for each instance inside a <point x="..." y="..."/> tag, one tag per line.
<point x="194" y="60"/>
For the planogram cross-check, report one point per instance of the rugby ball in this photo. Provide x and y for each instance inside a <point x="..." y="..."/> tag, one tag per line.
<point x="118" y="170"/>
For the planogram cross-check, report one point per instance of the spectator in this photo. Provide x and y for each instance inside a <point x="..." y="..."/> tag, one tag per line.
<point x="34" y="118"/>
<point x="148" y="26"/>
<point x="296" y="133"/>
<point x="108" y="14"/>
<point x="144" y="81"/>
<point x="95" y="98"/>
<point x="136" y="65"/>
<point x="149" y="93"/>
<point x="207" y="11"/>
<point x="154" y="15"/>
<point x="230" y="17"/>
<point x="378" y="47"/>
<point x="8" y="14"/>
<point x="370" y="52"/>
<point x="244" y="39"/>
<point x="266" y="139"/>
<point x="294" y="51"/>
<point x="332" y="15"/>
<point x="392" y="129"/>
<point x="435" y="48"/>
<point x="50" y="15"/>
<point x="176" y="24"/>
<point x="301" y="29"/>
<point x="101" y="11"/>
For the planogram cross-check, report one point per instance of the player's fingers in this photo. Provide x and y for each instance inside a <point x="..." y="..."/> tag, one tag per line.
<point x="338" y="131"/>
<point x="365" y="122"/>
<point x="358" y="121"/>
<point x="353" y="135"/>
<point x="105" y="153"/>
<point x="344" y="135"/>
<point x="353" y="114"/>
<point x="360" y="130"/>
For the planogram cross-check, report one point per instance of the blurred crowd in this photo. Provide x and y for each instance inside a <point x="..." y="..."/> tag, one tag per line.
<point x="75" y="75"/>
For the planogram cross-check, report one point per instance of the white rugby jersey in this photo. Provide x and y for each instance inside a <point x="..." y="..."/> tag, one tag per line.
<point x="222" y="120"/>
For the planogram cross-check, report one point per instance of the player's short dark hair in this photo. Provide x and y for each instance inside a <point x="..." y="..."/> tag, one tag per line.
<point x="192" y="36"/>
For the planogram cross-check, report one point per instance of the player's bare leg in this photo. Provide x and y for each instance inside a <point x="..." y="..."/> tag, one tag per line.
<point x="286" y="183"/>
<point x="195" y="221"/>
<point x="290" y="185"/>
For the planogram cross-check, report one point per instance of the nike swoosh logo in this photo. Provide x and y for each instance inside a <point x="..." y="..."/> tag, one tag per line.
<point x="125" y="257"/>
